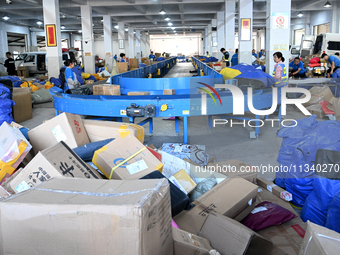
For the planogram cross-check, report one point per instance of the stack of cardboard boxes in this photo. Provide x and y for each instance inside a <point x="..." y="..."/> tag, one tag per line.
<point x="23" y="71"/>
<point x="60" y="197"/>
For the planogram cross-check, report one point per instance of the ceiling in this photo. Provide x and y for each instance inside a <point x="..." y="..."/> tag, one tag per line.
<point x="190" y="16"/>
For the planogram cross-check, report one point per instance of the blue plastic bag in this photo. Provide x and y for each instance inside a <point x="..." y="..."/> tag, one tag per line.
<point x="5" y="93"/>
<point x="87" y="151"/>
<point x="333" y="219"/>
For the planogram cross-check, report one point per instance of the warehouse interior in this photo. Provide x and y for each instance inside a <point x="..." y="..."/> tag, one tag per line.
<point x="174" y="127"/>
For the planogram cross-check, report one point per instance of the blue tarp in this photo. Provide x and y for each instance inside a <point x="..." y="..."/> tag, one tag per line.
<point x="160" y="59"/>
<point x="56" y="82"/>
<point x="5" y="93"/>
<point x="15" y="80"/>
<point x="333" y="219"/>
<point x="6" y="110"/>
<point x="210" y="59"/>
<point x="142" y="65"/>
<point x="91" y="78"/>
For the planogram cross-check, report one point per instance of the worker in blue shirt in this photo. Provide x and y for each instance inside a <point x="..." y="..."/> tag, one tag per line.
<point x="115" y="57"/>
<point x="152" y="56"/>
<point x="298" y="70"/>
<point x="261" y="53"/>
<point x="70" y="77"/>
<point x="234" y="58"/>
<point x="334" y="61"/>
<point x="122" y="57"/>
<point x="225" y="56"/>
<point x="254" y="53"/>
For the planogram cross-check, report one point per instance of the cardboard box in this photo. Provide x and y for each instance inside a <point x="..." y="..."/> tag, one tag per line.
<point x="23" y="71"/>
<point x="147" y="62"/>
<point x="98" y="130"/>
<point x="65" y="127"/>
<point x="183" y="181"/>
<point x="86" y="217"/>
<point x="138" y="93"/>
<point x="334" y="105"/>
<point x="58" y="160"/>
<point x="44" y="77"/>
<point x="233" y="168"/>
<point x="122" y="67"/>
<point x="276" y="190"/>
<point x="232" y="197"/>
<point x="22" y="110"/>
<point x="109" y="158"/>
<point x="134" y="63"/>
<point x="158" y="55"/>
<point x="187" y="243"/>
<point x="231" y="237"/>
<point x="288" y="236"/>
<point x="318" y="94"/>
<point x="169" y="92"/>
<point x="107" y="90"/>
<point x="320" y="241"/>
<point x="4" y="193"/>
<point x="88" y="82"/>
<point x="317" y="110"/>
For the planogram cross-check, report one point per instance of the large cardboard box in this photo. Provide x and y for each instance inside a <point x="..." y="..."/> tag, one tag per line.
<point x="86" y="217"/>
<point x="318" y="94"/>
<point x="122" y="67"/>
<point x="317" y="110"/>
<point x="287" y="237"/>
<point x="228" y="236"/>
<point x="134" y="63"/>
<point x="147" y="62"/>
<point x="233" y="197"/>
<point x="320" y="241"/>
<point x="169" y="92"/>
<point x="58" y="160"/>
<point x="22" y="110"/>
<point x="140" y="161"/>
<point x="102" y="130"/>
<point x="233" y="168"/>
<point x="187" y="243"/>
<point x="65" y="127"/>
<point x="107" y="90"/>
<point x="23" y="71"/>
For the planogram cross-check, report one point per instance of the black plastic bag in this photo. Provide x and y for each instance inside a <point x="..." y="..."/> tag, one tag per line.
<point x="80" y="91"/>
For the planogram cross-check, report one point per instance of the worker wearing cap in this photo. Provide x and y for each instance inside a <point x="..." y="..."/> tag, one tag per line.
<point x="334" y="61"/>
<point x="298" y="70"/>
<point x="225" y="55"/>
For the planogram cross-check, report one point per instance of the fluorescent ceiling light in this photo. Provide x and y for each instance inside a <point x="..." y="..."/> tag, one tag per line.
<point x="101" y="20"/>
<point x="79" y="31"/>
<point x="167" y="18"/>
<point x="162" y="11"/>
<point x="300" y="14"/>
<point x="134" y="32"/>
<point x="116" y="27"/>
<point x="173" y="28"/>
<point x="39" y="23"/>
<point x="62" y="27"/>
<point x="170" y="24"/>
<point x="126" y="29"/>
<point x="5" y="17"/>
<point x="327" y="5"/>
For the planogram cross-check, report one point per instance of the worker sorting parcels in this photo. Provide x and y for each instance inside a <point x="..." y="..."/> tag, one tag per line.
<point x="298" y="70"/>
<point x="334" y="61"/>
<point x="71" y="80"/>
<point x="234" y="58"/>
<point x="279" y="73"/>
<point x="225" y="56"/>
<point x="152" y="56"/>
<point x="207" y="54"/>
<point x="122" y="57"/>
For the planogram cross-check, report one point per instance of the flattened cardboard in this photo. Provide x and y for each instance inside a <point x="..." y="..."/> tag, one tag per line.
<point x="56" y="161"/>
<point x="187" y="243"/>
<point x="231" y="198"/>
<point x="85" y="217"/>
<point x="276" y="190"/>
<point x="233" y="168"/>
<point x="121" y="149"/>
<point x="320" y="241"/>
<point x="231" y="237"/>
<point x="98" y="130"/>
<point x="65" y="127"/>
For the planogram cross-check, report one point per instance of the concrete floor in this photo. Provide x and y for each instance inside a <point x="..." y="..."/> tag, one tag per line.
<point x="222" y="142"/>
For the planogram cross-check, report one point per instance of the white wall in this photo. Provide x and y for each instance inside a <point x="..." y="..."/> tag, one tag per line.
<point x="320" y="17"/>
<point x="187" y="45"/>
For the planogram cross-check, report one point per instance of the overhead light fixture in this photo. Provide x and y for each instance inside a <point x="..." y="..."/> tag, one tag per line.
<point x="101" y="20"/>
<point x="116" y="27"/>
<point x="102" y="35"/>
<point x="162" y="11"/>
<point x="5" y="17"/>
<point x="134" y="32"/>
<point x="79" y="31"/>
<point x="62" y="27"/>
<point x="299" y="15"/>
<point x="63" y="16"/>
<point x="170" y="24"/>
<point x="155" y="22"/>
<point x="126" y="29"/>
<point x="92" y="24"/>
<point x="173" y="28"/>
<point x="167" y="18"/>
<point x="39" y="23"/>
<point x="327" y="5"/>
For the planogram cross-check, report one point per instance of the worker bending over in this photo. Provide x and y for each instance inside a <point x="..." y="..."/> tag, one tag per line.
<point x="225" y="56"/>
<point x="334" y="61"/>
<point x="298" y="70"/>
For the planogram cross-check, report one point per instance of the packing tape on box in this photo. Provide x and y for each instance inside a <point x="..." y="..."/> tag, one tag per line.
<point x="159" y="167"/>
<point x="95" y="156"/>
<point x="140" y="131"/>
<point x="126" y="160"/>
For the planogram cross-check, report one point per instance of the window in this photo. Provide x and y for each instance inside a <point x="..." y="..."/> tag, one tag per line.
<point x="65" y="57"/>
<point x="77" y="44"/>
<point x="320" y="29"/>
<point x="318" y="44"/>
<point x="298" y="36"/>
<point x="21" y="57"/>
<point x="30" y="58"/>
<point x="64" y="43"/>
<point x="333" y="46"/>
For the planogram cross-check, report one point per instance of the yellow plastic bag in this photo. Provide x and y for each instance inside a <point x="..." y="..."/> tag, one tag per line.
<point x="85" y="75"/>
<point x="24" y="84"/>
<point x="48" y="85"/>
<point x="229" y="73"/>
<point x="34" y="88"/>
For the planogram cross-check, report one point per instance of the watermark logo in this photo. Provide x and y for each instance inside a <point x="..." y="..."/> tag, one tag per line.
<point x="239" y="102"/>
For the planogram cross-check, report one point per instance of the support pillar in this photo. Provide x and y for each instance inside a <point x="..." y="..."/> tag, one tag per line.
<point x="34" y="39"/>
<point x="335" y="24"/>
<point x="138" y="45"/>
<point x="209" y="39"/>
<point x="278" y="32"/>
<point x="214" y="51"/>
<point x="143" y="45"/>
<point x="245" y="35"/>
<point x="220" y="31"/>
<point x="131" y="43"/>
<point x="53" y="53"/>
<point x="3" y="45"/>
<point x="88" y="39"/>
<point x="121" y="37"/>
<point x="108" y="41"/>
<point x="308" y="29"/>
<point x="229" y="32"/>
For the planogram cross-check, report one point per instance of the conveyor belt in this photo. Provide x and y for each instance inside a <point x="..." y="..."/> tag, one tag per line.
<point x="180" y="70"/>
